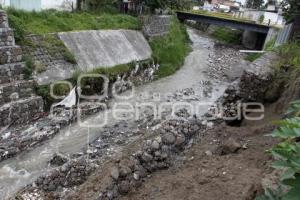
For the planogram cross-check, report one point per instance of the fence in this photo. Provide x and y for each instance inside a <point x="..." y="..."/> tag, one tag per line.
<point x="284" y="35"/>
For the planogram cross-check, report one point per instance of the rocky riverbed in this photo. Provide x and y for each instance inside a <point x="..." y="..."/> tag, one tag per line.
<point x="86" y="150"/>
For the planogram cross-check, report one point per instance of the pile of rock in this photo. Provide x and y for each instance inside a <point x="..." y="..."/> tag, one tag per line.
<point x="129" y="173"/>
<point x="257" y="78"/>
<point x="255" y="81"/>
<point x="158" y="153"/>
<point x="155" y="154"/>
<point x="222" y="60"/>
<point x="70" y="174"/>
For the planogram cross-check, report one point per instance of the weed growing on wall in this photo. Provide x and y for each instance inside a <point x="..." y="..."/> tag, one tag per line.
<point x="170" y="50"/>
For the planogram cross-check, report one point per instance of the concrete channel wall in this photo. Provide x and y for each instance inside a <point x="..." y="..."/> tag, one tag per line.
<point x="106" y="48"/>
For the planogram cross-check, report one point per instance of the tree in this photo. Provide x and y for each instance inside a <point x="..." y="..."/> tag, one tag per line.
<point x="80" y="4"/>
<point x="101" y="4"/>
<point x="290" y="8"/>
<point x="255" y="4"/>
<point x="174" y="4"/>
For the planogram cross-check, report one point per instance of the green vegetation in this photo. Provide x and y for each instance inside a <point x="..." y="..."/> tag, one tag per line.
<point x="227" y="35"/>
<point x="254" y="4"/>
<point x="270" y="45"/>
<point x="170" y="50"/>
<point x="39" y="67"/>
<point x="51" y="21"/>
<point x="69" y="57"/>
<point x="253" y="56"/>
<point x="287" y="156"/>
<point x="290" y="55"/>
<point x="29" y="67"/>
<point x="291" y="8"/>
<point x="261" y="19"/>
<point x="90" y="86"/>
<point x="44" y="92"/>
<point x="287" y="152"/>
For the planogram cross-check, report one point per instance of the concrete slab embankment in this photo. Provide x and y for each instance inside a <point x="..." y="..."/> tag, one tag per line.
<point x="106" y="48"/>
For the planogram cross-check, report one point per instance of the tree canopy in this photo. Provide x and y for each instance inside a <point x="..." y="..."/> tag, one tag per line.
<point x="290" y="8"/>
<point x="255" y="4"/>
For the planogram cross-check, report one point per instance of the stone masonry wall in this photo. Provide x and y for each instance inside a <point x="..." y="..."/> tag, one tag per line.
<point x="18" y="103"/>
<point x="10" y="54"/>
<point x="11" y="72"/>
<point x="157" y="25"/>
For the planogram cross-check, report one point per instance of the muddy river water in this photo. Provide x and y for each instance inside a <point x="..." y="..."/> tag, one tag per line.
<point x="17" y="172"/>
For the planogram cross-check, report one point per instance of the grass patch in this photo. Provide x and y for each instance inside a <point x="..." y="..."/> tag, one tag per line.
<point x="290" y="54"/>
<point x="51" y="21"/>
<point x="44" y="92"/>
<point x="29" y="67"/>
<point x="69" y="57"/>
<point x="253" y="56"/>
<point x="170" y="50"/>
<point x="270" y="45"/>
<point x="227" y="35"/>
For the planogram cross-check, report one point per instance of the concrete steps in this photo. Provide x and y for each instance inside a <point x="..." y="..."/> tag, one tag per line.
<point x="20" y="111"/>
<point x="15" y="90"/>
<point x="12" y="72"/>
<point x="10" y="54"/>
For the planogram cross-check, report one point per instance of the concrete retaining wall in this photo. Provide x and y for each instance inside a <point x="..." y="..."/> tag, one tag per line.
<point x="93" y="49"/>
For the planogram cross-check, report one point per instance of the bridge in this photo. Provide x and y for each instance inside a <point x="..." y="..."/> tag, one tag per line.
<point x="236" y="24"/>
<point x="254" y="37"/>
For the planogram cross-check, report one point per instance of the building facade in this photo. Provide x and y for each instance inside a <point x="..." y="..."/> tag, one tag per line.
<point x="38" y="5"/>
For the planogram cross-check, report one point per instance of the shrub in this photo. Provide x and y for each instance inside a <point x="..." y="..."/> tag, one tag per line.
<point x="253" y="56"/>
<point x="290" y="54"/>
<point x="69" y="57"/>
<point x="29" y="67"/>
<point x="261" y="19"/>
<point x="287" y="155"/>
<point x="227" y="35"/>
<point x="170" y="50"/>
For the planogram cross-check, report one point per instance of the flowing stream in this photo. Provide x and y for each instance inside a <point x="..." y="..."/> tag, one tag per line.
<point x="17" y="172"/>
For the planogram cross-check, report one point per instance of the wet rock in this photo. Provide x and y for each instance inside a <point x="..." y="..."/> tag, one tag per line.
<point x="155" y="145"/>
<point x="208" y="153"/>
<point x="124" y="187"/>
<point x="136" y="176"/>
<point x="180" y="140"/>
<point x="168" y="138"/>
<point x="146" y="157"/>
<point x="230" y="146"/>
<point x="115" y="173"/>
<point x="58" y="160"/>
<point x="124" y="171"/>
